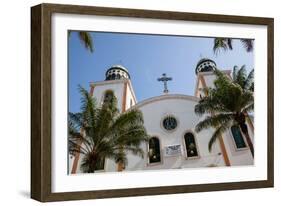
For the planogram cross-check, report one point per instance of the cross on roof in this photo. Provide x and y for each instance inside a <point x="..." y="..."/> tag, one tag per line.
<point x="164" y="79"/>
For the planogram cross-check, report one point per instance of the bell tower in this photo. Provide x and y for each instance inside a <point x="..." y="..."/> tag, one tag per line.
<point x="205" y="75"/>
<point x="205" y="78"/>
<point x="117" y="80"/>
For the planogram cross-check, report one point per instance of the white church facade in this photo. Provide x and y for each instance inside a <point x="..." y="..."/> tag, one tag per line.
<point x="170" y="121"/>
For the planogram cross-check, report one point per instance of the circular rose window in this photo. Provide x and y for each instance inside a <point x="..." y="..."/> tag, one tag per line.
<point x="170" y="123"/>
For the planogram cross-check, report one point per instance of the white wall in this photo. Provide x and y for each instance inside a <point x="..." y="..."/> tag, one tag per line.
<point x="182" y="108"/>
<point x="15" y="103"/>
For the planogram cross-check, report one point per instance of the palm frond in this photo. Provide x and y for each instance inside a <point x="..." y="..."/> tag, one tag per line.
<point x="87" y="40"/>
<point x="229" y="43"/>
<point x="218" y="132"/>
<point x="248" y="44"/>
<point x="247" y="98"/>
<point x="214" y="121"/>
<point x="74" y="147"/>
<point x="126" y="119"/>
<point x="78" y="142"/>
<point x="222" y="44"/>
<point x="132" y="138"/>
<point x="234" y="72"/>
<point x="88" y="103"/>
<point x="75" y="121"/>
<point x="241" y="76"/>
<point x="208" y="105"/>
<point x="249" y="82"/>
<point x="249" y="108"/>
<point x="105" y="118"/>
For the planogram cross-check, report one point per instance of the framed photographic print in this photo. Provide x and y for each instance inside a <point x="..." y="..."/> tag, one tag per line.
<point x="130" y="102"/>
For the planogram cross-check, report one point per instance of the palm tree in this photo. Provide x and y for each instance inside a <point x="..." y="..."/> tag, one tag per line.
<point x="226" y="44"/>
<point x="105" y="132"/>
<point x="86" y="39"/>
<point x="225" y="105"/>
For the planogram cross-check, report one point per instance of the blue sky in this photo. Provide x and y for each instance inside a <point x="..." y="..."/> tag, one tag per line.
<point x="146" y="57"/>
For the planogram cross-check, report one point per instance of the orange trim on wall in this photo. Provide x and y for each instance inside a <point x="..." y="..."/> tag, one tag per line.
<point x="92" y="90"/>
<point x="132" y="91"/>
<point x="76" y="160"/>
<point x="228" y="73"/>
<point x="120" y="167"/>
<point x="124" y="97"/>
<point x="203" y="82"/>
<point x="197" y="85"/>
<point x="224" y="153"/>
<point x="250" y="124"/>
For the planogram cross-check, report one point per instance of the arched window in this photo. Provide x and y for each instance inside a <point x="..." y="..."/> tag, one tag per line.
<point x="154" y="150"/>
<point x="100" y="164"/>
<point x="238" y="137"/>
<point x="113" y="76"/>
<point x="190" y="145"/>
<point x="118" y="76"/>
<point x="108" y="96"/>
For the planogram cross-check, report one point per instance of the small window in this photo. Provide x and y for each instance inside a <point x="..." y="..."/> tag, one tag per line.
<point x="190" y="145"/>
<point x="108" y="96"/>
<point x="131" y="102"/>
<point x="238" y="137"/>
<point x="154" y="150"/>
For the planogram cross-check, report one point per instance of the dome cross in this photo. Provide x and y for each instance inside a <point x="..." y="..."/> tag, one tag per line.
<point x="165" y="79"/>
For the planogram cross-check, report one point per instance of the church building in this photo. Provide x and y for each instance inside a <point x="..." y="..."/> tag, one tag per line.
<point x="170" y="122"/>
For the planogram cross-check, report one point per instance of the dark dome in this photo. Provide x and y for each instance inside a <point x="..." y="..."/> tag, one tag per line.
<point x="117" y="72"/>
<point x="205" y="65"/>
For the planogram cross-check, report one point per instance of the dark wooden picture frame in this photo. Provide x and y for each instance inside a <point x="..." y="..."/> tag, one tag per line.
<point x="41" y="96"/>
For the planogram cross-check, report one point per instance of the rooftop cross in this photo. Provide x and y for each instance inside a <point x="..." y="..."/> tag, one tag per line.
<point x="164" y="79"/>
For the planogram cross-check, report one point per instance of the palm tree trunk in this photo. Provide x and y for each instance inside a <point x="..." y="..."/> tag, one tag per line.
<point x="92" y="167"/>
<point x="244" y="129"/>
<point x="93" y="164"/>
<point x="250" y="143"/>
